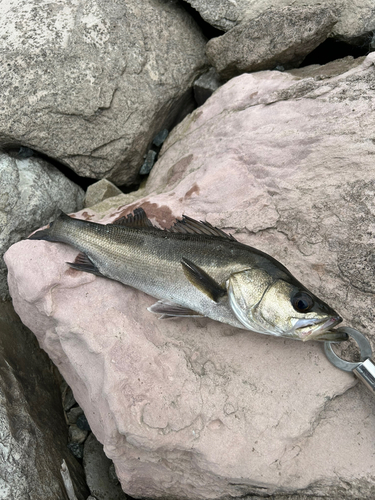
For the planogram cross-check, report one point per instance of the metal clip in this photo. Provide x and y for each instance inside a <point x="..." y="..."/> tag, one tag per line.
<point x="365" y="369"/>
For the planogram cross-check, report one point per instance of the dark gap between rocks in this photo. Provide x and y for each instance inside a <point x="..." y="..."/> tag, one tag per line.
<point x="83" y="182"/>
<point x="206" y="28"/>
<point x="332" y="49"/>
<point x="21" y="152"/>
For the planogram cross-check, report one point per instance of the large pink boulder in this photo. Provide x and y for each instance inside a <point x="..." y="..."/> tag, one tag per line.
<point x="194" y="409"/>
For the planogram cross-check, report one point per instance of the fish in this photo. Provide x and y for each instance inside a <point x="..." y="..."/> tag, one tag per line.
<point x="195" y="269"/>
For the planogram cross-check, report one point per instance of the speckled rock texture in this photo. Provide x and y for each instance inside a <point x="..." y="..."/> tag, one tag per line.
<point x="193" y="409"/>
<point x="278" y="37"/>
<point x="356" y="20"/>
<point x="90" y="82"/>
<point x="31" y="192"/>
<point x="33" y="429"/>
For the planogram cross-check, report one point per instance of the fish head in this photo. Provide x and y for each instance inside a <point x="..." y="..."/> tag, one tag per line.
<point x="282" y="307"/>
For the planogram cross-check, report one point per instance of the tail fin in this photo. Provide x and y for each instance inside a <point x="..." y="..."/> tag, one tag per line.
<point x="42" y="234"/>
<point x="47" y="233"/>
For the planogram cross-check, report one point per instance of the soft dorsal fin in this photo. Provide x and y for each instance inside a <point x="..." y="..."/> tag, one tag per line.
<point x="191" y="226"/>
<point x="138" y="219"/>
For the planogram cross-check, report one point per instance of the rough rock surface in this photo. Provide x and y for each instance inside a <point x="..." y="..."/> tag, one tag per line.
<point x="31" y="192"/>
<point x="277" y="37"/>
<point x="100" y="191"/>
<point x="97" y="471"/>
<point x="33" y="429"/>
<point x="222" y="14"/>
<point x="90" y="82"/>
<point x="192" y="409"/>
<point x="355" y="20"/>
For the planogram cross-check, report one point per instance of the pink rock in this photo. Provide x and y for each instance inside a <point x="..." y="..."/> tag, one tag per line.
<point x="194" y="409"/>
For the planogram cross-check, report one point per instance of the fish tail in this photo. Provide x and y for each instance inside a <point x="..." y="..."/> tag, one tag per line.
<point x="52" y="232"/>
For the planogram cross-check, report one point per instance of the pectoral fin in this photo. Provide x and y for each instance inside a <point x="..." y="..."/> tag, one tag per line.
<point x="203" y="281"/>
<point x="170" y="310"/>
<point x="83" y="263"/>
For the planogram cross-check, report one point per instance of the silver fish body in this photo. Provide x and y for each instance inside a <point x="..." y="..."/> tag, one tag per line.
<point x="195" y="269"/>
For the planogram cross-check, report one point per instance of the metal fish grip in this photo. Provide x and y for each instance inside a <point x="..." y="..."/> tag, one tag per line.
<point x="365" y="368"/>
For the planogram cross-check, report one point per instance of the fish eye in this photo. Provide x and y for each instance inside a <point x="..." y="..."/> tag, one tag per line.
<point x="302" y="302"/>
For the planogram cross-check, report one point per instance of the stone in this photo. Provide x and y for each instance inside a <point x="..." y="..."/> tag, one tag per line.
<point x="279" y="36"/>
<point x="73" y="414"/>
<point x="222" y="14"/>
<point x="160" y="138"/>
<point x="195" y="409"/>
<point x="67" y="396"/>
<point x="76" y="449"/>
<point x="148" y="163"/>
<point x="33" y="429"/>
<point x="32" y="193"/>
<point x="97" y="469"/>
<point x="100" y="191"/>
<point x="328" y="70"/>
<point x="82" y="423"/>
<point x="77" y="435"/>
<point x="90" y="82"/>
<point x="356" y="21"/>
<point x="206" y="85"/>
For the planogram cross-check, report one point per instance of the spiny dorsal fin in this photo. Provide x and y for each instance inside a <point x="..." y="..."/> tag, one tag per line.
<point x="83" y="263"/>
<point x="203" y="281"/>
<point x="191" y="226"/>
<point x="138" y="219"/>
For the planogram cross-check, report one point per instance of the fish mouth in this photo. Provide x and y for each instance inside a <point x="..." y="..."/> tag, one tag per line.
<point x="319" y="329"/>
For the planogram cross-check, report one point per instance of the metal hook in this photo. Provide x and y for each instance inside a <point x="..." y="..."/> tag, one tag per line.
<point x="363" y="344"/>
<point x="365" y="369"/>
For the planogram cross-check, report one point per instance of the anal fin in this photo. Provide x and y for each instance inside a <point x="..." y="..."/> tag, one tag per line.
<point x="203" y="281"/>
<point x="83" y="263"/>
<point x="170" y="310"/>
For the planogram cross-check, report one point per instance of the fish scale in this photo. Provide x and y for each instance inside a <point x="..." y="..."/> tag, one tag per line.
<point x="196" y="269"/>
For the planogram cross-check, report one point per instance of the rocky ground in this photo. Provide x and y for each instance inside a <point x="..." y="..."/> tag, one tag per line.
<point x="256" y="118"/>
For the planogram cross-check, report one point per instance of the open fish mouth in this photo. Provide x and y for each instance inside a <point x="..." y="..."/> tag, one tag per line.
<point x="317" y="329"/>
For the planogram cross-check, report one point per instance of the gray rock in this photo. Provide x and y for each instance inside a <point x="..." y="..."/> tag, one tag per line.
<point x="82" y="423"/>
<point x="99" y="475"/>
<point x="73" y="414"/>
<point x="67" y="396"/>
<point x="160" y="138"/>
<point x="279" y="36"/>
<point x="100" y="191"/>
<point x="356" y="20"/>
<point x="32" y="193"/>
<point x="76" y="449"/>
<point x="99" y="79"/>
<point x="328" y="70"/>
<point x="77" y="435"/>
<point x="206" y="85"/>
<point x="33" y="429"/>
<point x="222" y="14"/>
<point x="149" y="162"/>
